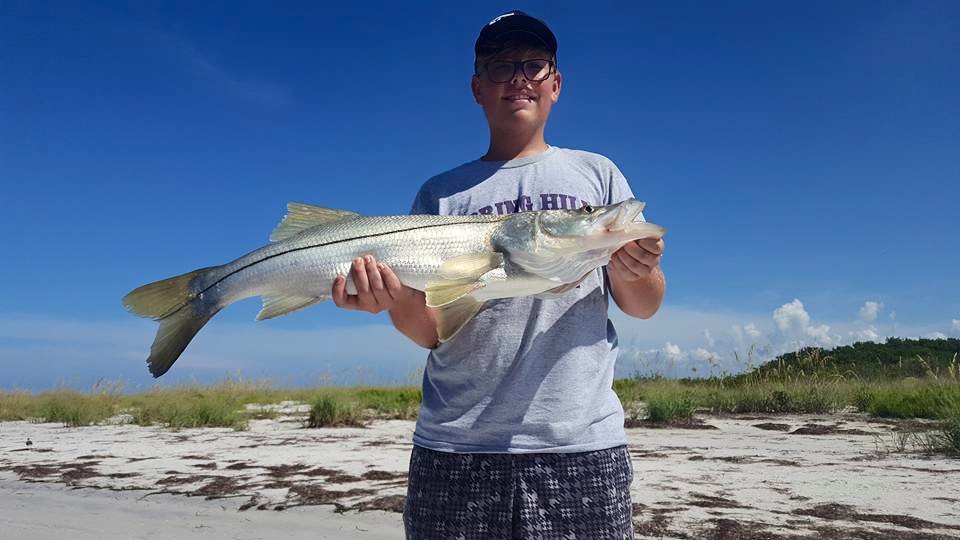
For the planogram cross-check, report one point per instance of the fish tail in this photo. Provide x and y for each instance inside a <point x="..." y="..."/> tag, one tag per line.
<point x="181" y="311"/>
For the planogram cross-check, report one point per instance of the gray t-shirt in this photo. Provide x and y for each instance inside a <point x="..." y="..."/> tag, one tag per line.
<point x="526" y="374"/>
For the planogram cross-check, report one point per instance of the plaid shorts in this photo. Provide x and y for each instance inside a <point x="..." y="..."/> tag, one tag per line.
<point x="582" y="495"/>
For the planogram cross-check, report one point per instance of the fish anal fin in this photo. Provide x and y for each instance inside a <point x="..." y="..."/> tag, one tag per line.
<point x="301" y="216"/>
<point x="442" y="293"/>
<point x="562" y="289"/>
<point x="454" y="316"/>
<point x="471" y="266"/>
<point x="275" y="306"/>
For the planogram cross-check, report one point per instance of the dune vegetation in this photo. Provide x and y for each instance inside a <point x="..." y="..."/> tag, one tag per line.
<point x="898" y="379"/>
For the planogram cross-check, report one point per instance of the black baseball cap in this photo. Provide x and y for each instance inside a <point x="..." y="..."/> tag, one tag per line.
<point x="514" y="22"/>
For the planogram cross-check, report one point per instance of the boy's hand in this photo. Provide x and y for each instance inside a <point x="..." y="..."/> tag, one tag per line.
<point x="378" y="288"/>
<point x="637" y="259"/>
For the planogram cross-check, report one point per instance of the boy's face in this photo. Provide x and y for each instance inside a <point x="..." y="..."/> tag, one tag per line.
<point x="518" y="104"/>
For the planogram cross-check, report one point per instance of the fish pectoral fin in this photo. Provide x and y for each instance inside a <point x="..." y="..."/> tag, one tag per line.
<point x="442" y="293"/>
<point x="275" y="306"/>
<point x="471" y="266"/>
<point x="301" y="217"/>
<point x="460" y="276"/>
<point x="454" y="316"/>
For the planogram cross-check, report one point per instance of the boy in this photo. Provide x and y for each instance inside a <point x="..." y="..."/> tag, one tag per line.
<point x="520" y="434"/>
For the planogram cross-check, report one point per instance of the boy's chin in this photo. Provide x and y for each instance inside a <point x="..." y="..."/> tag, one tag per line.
<point x="520" y="117"/>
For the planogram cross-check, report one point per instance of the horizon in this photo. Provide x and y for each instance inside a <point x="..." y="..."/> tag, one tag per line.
<point x="326" y="380"/>
<point x="805" y="164"/>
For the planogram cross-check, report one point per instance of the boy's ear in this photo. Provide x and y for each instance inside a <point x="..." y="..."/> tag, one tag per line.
<point x="557" y="83"/>
<point x="475" y="88"/>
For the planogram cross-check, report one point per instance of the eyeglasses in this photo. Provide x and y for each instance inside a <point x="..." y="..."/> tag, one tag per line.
<point x="534" y="70"/>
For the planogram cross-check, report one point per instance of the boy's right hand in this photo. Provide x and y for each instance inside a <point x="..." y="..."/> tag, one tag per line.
<point x="378" y="288"/>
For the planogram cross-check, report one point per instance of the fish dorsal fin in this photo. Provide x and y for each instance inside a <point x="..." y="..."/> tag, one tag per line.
<point x="302" y="216"/>
<point x="275" y="306"/>
<point x="454" y="316"/>
<point x="460" y="276"/>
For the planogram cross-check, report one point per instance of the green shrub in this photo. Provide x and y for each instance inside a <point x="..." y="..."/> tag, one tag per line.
<point x="915" y="400"/>
<point x="947" y="438"/>
<point x="326" y="411"/>
<point x="74" y="409"/>
<point x="189" y="407"/>
<point x="670" y="409"/>
<point x="402" y="403"/>
<point x="17" y="405"/>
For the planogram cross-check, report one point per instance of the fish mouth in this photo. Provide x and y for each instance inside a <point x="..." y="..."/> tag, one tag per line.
<point x="626" y="215"/>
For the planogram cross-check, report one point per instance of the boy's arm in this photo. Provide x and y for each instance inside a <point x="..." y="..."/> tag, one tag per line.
<point x="636" y="281"/>
<point x="379" y="289"/>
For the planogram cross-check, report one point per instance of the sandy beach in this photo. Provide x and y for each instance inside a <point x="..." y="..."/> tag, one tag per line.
<point x="741" y="477"/>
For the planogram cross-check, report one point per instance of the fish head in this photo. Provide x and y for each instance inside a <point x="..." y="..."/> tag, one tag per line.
<point x="563" y="245"/>
<point x="593" y="226"/>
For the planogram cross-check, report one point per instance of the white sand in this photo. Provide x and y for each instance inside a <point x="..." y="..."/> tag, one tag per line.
<point x="46" y="511"/>
<point x="769" y="482"/>
<point x="738" y="481"/>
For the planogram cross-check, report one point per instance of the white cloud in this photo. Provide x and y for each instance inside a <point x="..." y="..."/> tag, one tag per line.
<point x="955" y="326"/>
<point x="870" y="310"/>
<point x="821" y="335"/>
<point x="736" y="331"/>
<point x="791" y="317"/>
<point x="702" y="355"/>
<point x="672" y="352"/>
<point x="867" y="334"/>
<point x="708" y="338"/>
<point x="793" y="324"/>
<point x="746" y="334"/>
<point x="935" y="335"/>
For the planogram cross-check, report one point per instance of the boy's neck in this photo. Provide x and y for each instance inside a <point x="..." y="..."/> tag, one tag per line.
<point x="504" y="147"/>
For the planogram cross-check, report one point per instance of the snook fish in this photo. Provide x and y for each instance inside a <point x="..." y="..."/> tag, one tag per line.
<point x="459" y="262"/>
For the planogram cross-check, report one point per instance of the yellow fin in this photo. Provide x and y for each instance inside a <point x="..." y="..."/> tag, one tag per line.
<point x="162" y="298"/>
<point x="275" y="306"/>
<point x="301" y="217"/>
<point x="441" y="293"/>
<point x="454" y="316"/>
<point x="175" y="333"/>
<point x="460" y="276"/>
<point x="471" y="266"/>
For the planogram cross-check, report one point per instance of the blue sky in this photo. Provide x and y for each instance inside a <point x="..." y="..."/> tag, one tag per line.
<point x="804" y="157"/>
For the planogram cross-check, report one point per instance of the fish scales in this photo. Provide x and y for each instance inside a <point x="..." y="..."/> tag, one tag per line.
<point x="413" y="246"/>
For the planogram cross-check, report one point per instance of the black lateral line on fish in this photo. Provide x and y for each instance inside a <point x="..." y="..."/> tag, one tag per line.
<point x="267" y="258"/>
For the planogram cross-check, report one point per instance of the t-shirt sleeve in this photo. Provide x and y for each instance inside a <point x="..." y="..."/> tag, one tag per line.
<point x="424" y="203"/>
<point x="618" y="189"/>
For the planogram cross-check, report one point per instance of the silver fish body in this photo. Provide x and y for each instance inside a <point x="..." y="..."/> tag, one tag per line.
<point x="458" y="261"/>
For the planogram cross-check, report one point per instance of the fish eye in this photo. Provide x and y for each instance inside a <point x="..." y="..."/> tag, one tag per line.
<point x="587" y="209"/>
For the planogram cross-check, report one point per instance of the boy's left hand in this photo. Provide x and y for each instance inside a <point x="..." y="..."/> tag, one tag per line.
<point x="636" y="259"/>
